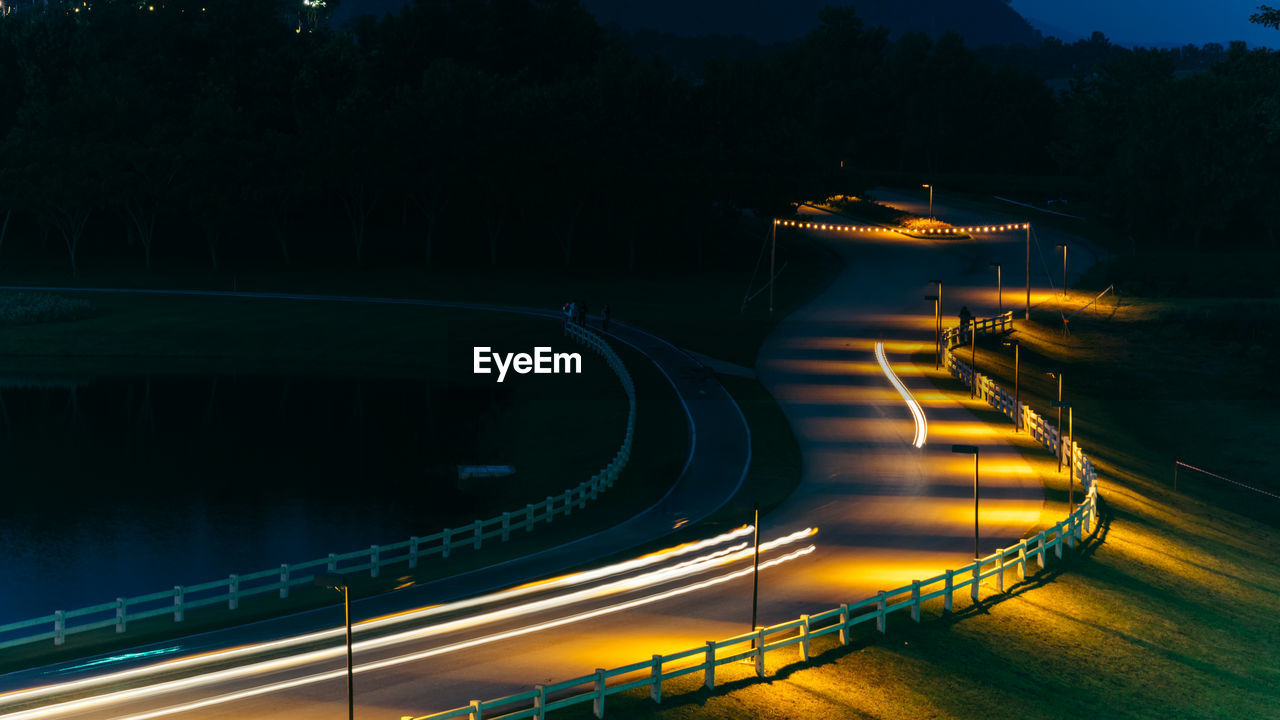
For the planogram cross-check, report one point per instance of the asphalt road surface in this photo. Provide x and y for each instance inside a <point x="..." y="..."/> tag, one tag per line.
<point x="885" y="512"/>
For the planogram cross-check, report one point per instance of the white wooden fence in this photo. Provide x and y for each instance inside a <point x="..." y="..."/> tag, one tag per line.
<point x="799" y="633"/>
<point x="177" y="601"/>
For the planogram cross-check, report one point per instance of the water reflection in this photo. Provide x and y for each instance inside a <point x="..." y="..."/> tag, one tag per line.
<point x="124" y="486"/>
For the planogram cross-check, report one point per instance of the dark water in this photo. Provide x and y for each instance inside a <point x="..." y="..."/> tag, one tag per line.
<point x="125" y="486"/>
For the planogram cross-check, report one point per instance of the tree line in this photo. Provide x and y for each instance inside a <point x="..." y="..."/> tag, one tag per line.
<point x="249" y="133"/>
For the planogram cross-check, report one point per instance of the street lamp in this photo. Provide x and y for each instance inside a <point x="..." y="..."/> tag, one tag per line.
<point x="937" y="333"/>
<point x="1071" y="447"/>
<point x="1058" y="374"/>
<point x="930" y="200"/>
<point x="938" y="318"/>
<point x="1064" y="268"/>
<point x="999" y="286"/>
<point x="755" y="582"/>
<point x="773" y="251"/>
<point x="966" y="449"/>
<point x="1027" y="313"/>
<point x="339" y="583"/>
<point x="1017" y="397"/>
<point x="973" y="359"/>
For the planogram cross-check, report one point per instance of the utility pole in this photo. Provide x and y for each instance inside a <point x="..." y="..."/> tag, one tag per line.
<point x="1027" y="313"/>
<point x="773" y="250"/>
<point x="755" y="574"/>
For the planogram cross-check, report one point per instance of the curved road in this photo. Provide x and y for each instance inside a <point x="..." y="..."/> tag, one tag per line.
<point x="886" y="511"/>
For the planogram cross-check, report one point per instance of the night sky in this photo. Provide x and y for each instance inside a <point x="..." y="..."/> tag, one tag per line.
<point x="1151" y="22"/>
<point x="1145" y="22"/>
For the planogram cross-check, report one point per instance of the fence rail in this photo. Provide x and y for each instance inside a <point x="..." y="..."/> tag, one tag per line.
<point x="1027" y="557"/>
<point x="230" y="590"/>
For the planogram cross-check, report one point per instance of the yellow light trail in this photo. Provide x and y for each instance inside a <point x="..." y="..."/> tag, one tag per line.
<point x="686" y="568"/>
<point x="390" y="662"/>
<point x="922" y="427"/>
<point x="518" y="591"/>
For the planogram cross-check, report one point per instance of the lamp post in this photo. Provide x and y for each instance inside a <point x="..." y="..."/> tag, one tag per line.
<point x="1064" y="268"/>
<point x="1027" y="313"/>
<point x="930" y="200"/>
<point x="773" y="251"/>
<point x="967" y="449"/>
<point x="973" y="359"/>
<point x="1017" y="397"/>
<point x="755" y="580"/>
<point x="938" y="318"/>
<point x="1071" y="452"/>
<point x="1058" y="374"/>
<point x="937" y="336"/>
<point x="339" y="583"/>
<point x="999" y="286"/>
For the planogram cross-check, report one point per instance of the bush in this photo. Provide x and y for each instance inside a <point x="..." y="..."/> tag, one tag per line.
<point x="24" y="308"/>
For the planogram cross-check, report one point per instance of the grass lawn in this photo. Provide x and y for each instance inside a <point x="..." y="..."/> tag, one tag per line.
<point x="1170" y="612"/>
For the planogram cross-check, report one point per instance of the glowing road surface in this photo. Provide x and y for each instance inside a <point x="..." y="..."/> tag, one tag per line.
<point x="891" y="501"/>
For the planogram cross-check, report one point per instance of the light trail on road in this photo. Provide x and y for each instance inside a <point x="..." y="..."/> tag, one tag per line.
<point x="561" y="581"/>
<point x="922" y="426"/>
<point x="684" y="569"/>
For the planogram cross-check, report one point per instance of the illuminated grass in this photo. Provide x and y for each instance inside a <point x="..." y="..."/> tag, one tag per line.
<point x="1172" y="613"/>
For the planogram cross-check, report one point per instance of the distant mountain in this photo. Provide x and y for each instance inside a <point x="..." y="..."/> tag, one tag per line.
<point x="981" y="22"/>
<point x="1051" y="30"/>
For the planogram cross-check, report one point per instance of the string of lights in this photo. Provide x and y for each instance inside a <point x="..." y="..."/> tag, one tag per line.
<point x="904" y="231"/>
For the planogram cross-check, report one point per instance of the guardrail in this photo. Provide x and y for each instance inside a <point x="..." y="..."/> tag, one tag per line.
<point x="986" y="326"/>
<point x="230" y="590"/>
<point x="651" y="673"/>
<point x="1001" y="399"/>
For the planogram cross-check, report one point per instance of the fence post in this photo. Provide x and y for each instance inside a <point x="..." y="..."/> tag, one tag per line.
<point x="506" y="526"/>
<point x="528" y="517"/>
<point x="760" y="641"/>
<point x="947" y="602"/>
<point x="804" y="638"/>
<point x="655" y="679"/>
<point x="709" y="675"/>
<point x="597" y="705"/>
<point x="551" y="513"/>
<point x="977" y="575"/>
<point x="844" y="623"/>
<point x="179" y="603"/>
<point x="476" y="544"/>
<point x="1000" y="568"/>
<point x="233" y="592"/>
<point x="477" y="712"/>
<point x="120" y="615"/>
<point x="333" y="563"/>
<point x="915" y="600"/>
<point x="413" y="552"/>
<point x="1042" y="559"/>
<point x="1057" y="549"/>
<point x="59" y="627"/>
<point x="880" y="617"/>
<point x="446" y="542"/>
<point x="540" y="702"/>
<point x="284" y="580"/>
<point x="1022" y="560"/>
<point x="375" y="558"/>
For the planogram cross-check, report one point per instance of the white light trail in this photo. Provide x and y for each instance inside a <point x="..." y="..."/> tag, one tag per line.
<point x="390" y="662"/>
<point x="917" y="412"/>
<point x="685" y="568"/>
<point x="511" y="593"/>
